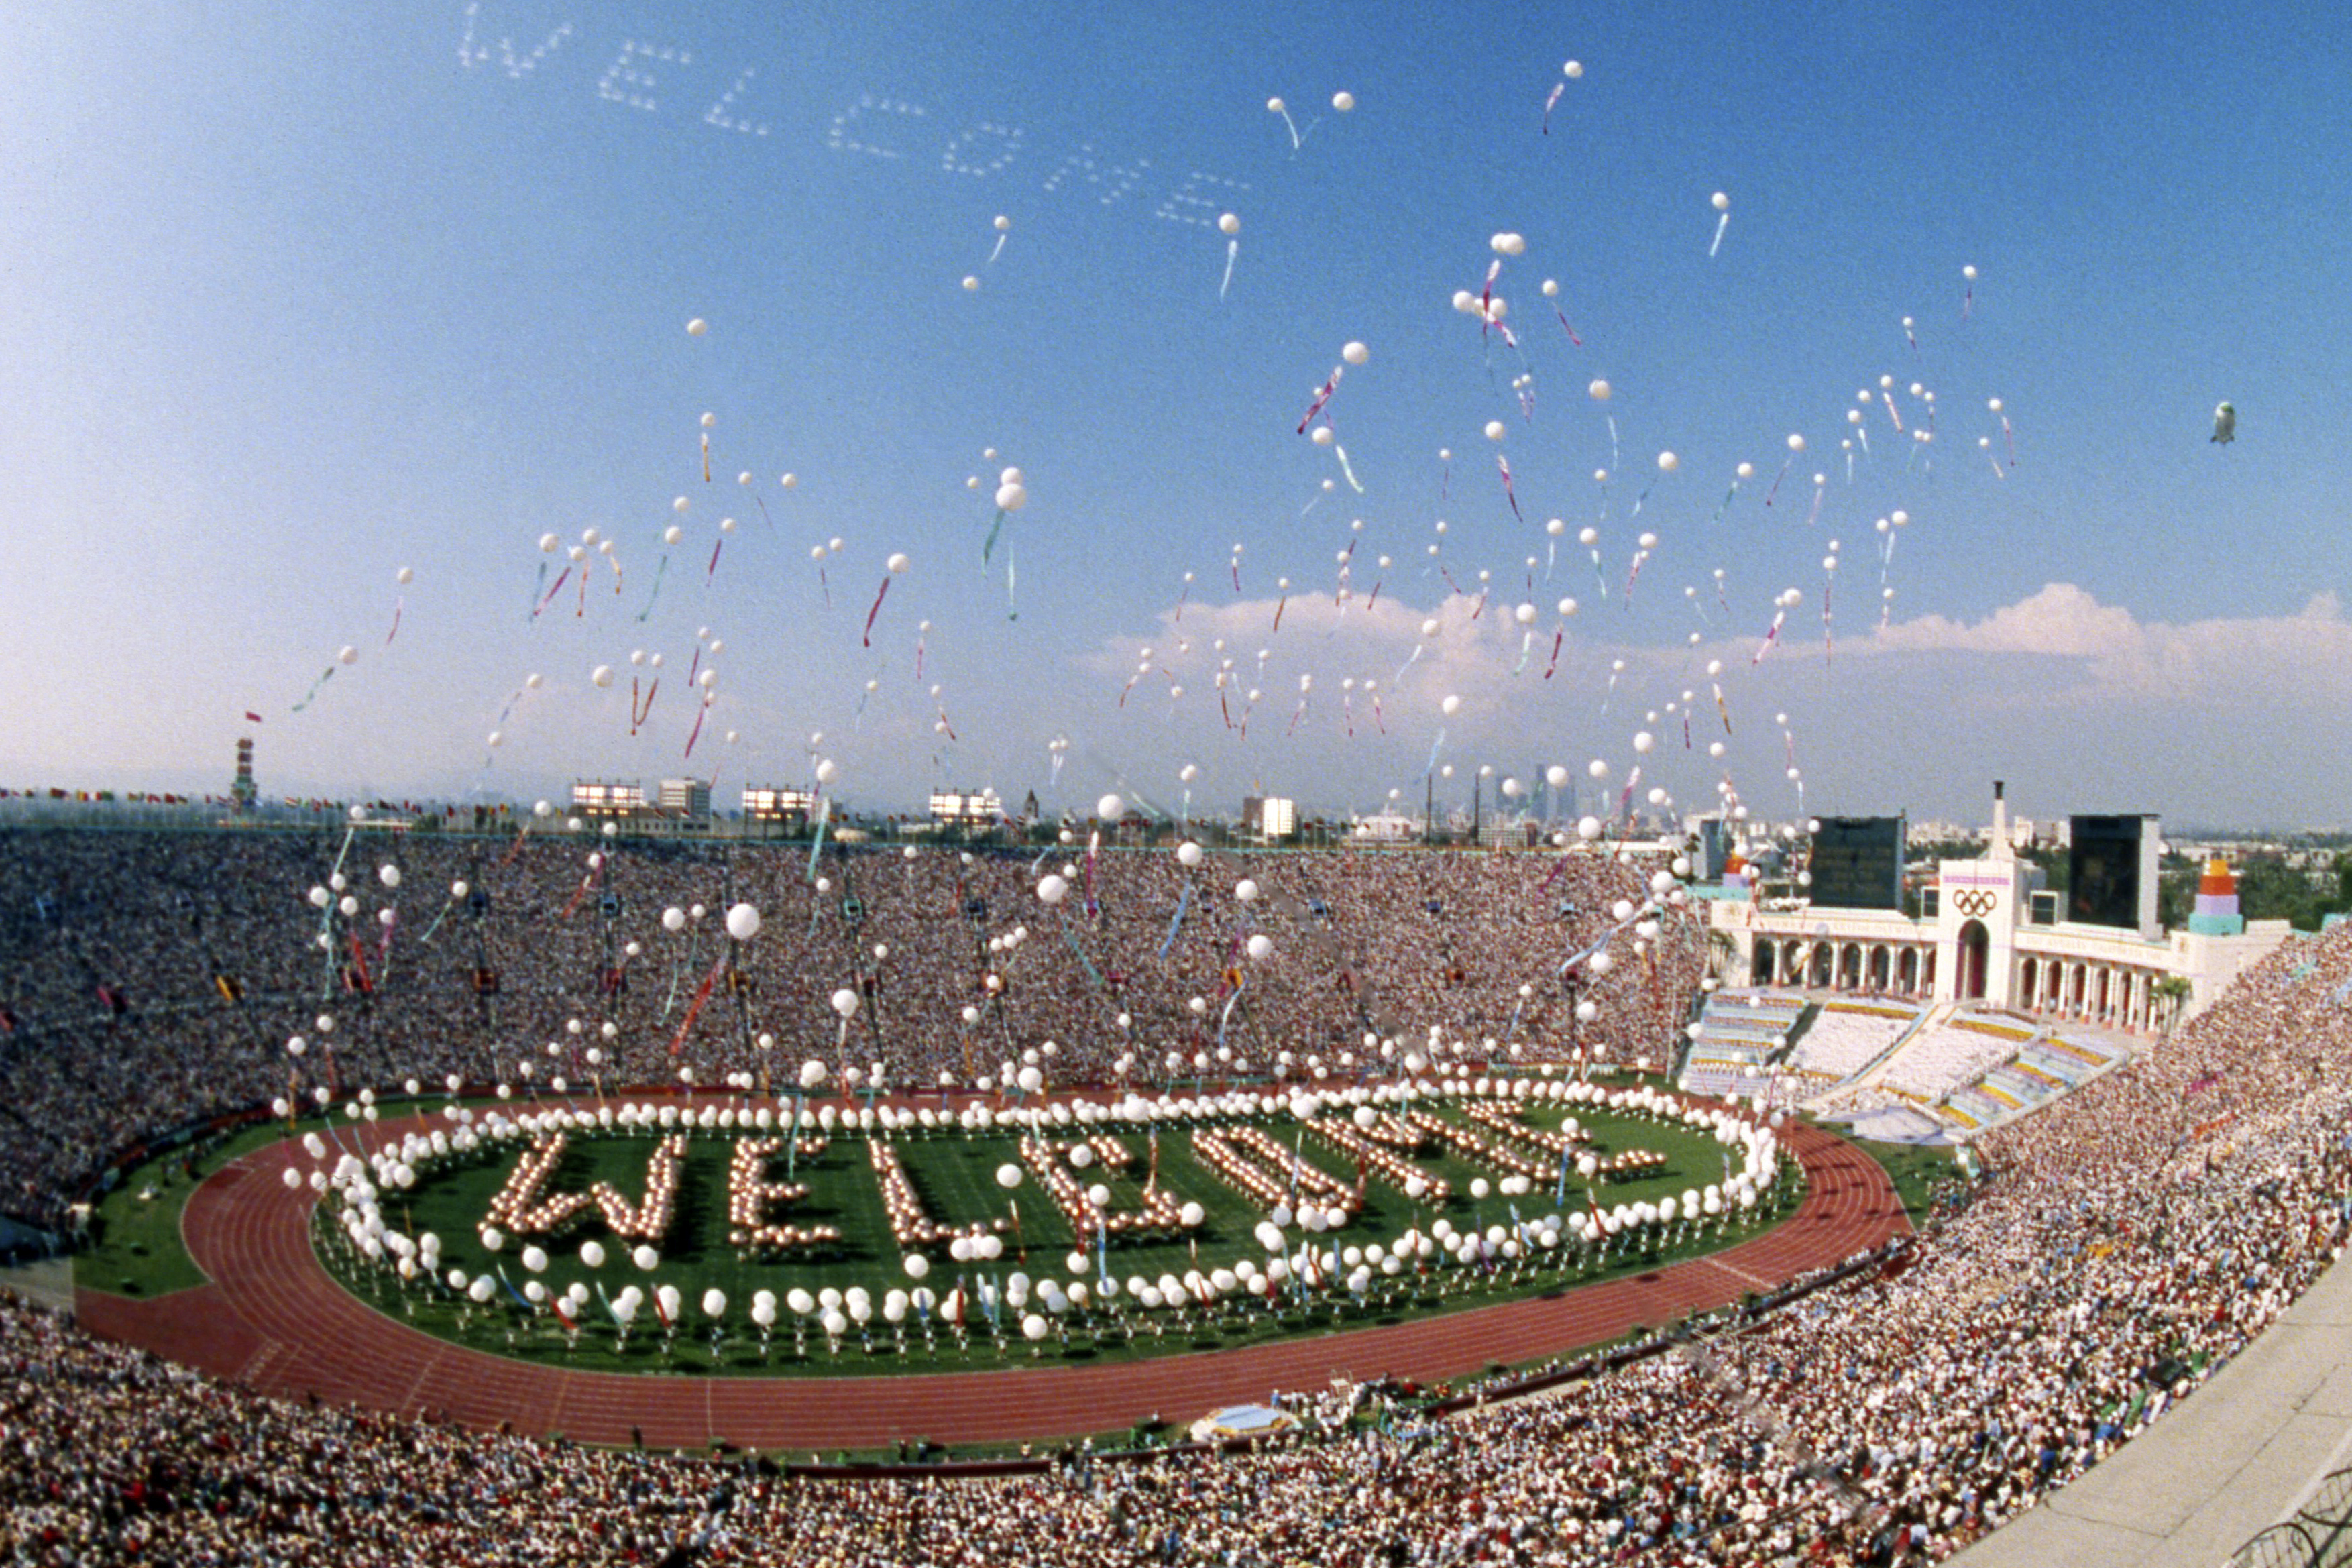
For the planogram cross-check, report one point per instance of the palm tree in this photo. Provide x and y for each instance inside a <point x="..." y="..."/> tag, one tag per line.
<point x="2173" y="990"/>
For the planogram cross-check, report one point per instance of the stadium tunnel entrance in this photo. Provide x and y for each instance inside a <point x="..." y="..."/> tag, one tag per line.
<point x="1974" y="942"/>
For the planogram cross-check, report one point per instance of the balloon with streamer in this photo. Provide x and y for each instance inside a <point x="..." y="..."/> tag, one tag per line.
<point x="895" y="566"/>
<point x="404" y="576"/>
<point x="1552" y="292"/>
<point x="1276" y="106"/>
<point x="347" y="655"/>
<point x="1322" y="397"/>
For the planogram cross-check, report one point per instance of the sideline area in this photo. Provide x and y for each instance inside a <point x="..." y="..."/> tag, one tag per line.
<point x="2238" y="1454"/>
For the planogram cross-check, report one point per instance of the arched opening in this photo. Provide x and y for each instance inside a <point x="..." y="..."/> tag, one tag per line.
<point x="2029" y="988"/>
<point x="1974" y="942"/>
<point x="1910" y="971"/>
<point x="1880" y="961"/>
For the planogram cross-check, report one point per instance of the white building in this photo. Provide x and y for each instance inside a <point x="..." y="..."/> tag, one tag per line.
<point x="1269" y="816"/>
<point x="686" y="797"/>
<point x="1385" y="828"/>
<point x="1979" y="944"/>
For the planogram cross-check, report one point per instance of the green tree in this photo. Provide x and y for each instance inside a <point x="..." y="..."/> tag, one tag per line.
<point x="2271" y="890"/>
<point x="2171" y="993"/>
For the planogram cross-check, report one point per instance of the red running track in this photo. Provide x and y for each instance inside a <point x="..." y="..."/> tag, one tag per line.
<point x="273" y="1318"/>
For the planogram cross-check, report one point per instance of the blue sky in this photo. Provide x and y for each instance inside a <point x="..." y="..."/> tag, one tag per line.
<point x="296" y="301"/>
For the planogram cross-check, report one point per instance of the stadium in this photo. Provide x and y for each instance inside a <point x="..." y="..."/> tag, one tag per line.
<point x="1219" y="787"/>
<point x="255" y="1213"/>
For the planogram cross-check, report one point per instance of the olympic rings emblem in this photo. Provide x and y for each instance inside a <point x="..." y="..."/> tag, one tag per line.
<point x="1973" y="902"/>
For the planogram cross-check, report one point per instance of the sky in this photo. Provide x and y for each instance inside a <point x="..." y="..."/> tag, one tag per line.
<point x="298" y="298"/>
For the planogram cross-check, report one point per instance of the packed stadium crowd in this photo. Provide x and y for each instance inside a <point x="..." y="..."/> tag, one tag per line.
<point x="2129" y="1240"/>
<point x="147" y="979"/>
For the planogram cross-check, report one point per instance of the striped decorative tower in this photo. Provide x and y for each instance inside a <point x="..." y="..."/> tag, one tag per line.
<point x="2216" y="902"/>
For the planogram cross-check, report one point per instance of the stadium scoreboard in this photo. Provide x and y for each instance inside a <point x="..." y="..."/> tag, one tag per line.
<point x="2111" y="872"/>
<point x="1857" y="862"/>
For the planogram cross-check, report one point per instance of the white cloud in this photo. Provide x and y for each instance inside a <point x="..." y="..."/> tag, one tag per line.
<point x="2119" y="658"/>
<point x="2079" y="701"/>
<point x="2060" y="621"/>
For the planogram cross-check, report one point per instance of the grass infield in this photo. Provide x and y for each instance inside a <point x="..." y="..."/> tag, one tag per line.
<point x="955" y="1175"/>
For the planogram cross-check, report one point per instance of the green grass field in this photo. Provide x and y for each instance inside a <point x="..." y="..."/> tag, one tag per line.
<point x="138" y="1250"/>
<point x="1915" y="1170"/>
<point x="955" y="1175"/>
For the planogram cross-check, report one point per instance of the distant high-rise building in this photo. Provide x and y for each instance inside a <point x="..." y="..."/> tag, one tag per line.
<point x="686" y="797"/>
<point x="1269" y="816"/>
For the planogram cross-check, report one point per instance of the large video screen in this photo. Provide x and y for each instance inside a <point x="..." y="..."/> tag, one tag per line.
<point x="2103" y="865"/>
<point x="1857" y="863"/>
